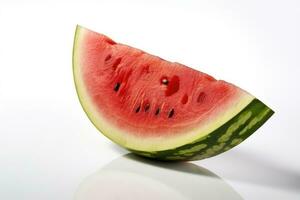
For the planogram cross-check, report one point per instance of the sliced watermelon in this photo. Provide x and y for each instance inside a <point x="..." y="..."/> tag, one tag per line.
<point x="156" y="108"/>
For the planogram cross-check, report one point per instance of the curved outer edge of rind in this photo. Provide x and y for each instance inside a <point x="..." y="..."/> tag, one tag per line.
<point x="142" y="146"/>
<point x="222" y="139"/>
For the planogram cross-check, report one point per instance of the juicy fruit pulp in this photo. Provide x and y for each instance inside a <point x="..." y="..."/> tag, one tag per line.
<point x="157" y="108"/>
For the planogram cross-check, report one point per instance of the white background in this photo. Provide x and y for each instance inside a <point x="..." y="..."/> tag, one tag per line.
<point x="47" y="144"/>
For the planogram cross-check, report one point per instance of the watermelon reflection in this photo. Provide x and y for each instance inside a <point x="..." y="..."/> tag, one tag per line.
<point x="131" y="177"/>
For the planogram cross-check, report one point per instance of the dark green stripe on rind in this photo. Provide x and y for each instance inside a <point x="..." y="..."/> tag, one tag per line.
<point x="222" y="139"/>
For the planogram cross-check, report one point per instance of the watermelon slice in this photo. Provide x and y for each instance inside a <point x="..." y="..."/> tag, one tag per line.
<point x="156" y="108"/>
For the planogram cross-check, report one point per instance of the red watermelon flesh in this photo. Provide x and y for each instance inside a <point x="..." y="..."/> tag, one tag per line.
<point x="147" y="95"/>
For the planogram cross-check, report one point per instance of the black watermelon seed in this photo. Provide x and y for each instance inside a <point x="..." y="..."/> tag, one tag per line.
<point x="157" y="111"/>
<point x="117" y="86"/>
<point x="137" y="109"/>
<point x="164" y="81"/>
<point x="171" y="113"/>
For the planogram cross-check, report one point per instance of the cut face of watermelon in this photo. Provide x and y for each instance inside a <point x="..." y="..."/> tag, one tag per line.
<point x="157" y="108"/>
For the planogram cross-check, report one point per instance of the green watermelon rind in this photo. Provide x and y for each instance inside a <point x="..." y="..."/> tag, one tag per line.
<point x="222" y="139"/>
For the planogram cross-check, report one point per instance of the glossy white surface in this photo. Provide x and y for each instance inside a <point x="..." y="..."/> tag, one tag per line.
<point x="50" y="150"/>
<point x="153" y="180"/>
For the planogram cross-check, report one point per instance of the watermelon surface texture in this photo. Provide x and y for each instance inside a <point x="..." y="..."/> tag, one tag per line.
<point x="156" y="108"/>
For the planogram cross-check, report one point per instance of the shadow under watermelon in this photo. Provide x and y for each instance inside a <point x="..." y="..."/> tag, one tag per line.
<point x="133" y="177"/>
